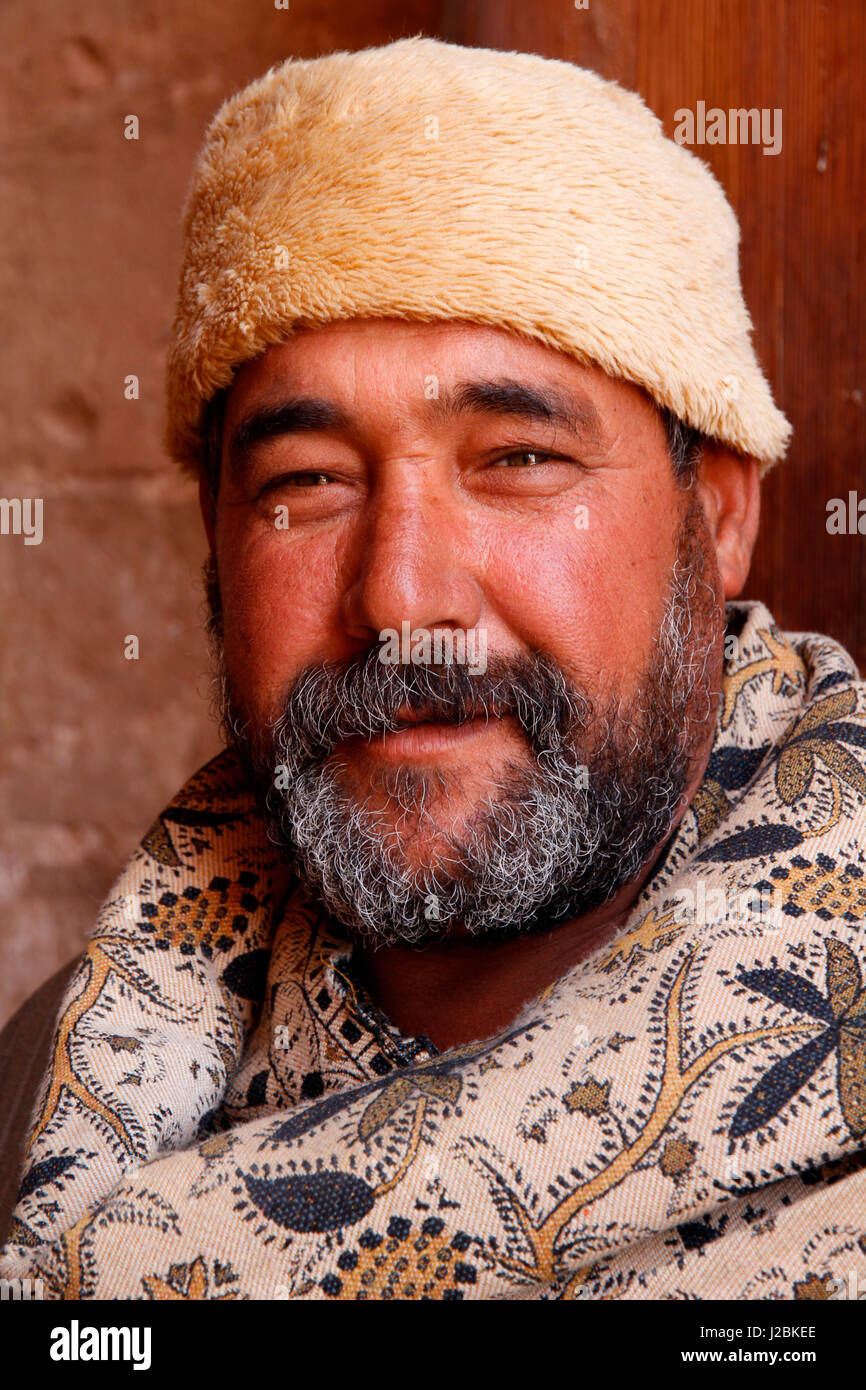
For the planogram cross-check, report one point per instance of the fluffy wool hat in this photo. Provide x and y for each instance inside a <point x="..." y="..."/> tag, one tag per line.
<point x="424" y="180"/>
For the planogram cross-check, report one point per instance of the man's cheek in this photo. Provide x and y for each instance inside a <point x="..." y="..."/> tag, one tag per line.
<point x="258" y="643"/>
<point x="584" y="602"/>
<point x="271" y="633"/>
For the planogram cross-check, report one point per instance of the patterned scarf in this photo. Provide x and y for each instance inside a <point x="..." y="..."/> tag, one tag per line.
<point x="228" y="1115"/>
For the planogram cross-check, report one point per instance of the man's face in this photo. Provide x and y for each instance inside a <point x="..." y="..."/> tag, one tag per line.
<point x="456" y="479"/>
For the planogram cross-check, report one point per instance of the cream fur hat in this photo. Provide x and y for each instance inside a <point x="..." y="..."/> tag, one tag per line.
<point x="424" y="180"/>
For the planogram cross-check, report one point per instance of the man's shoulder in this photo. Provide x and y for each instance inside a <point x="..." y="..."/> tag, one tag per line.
<point x="773" y="678"/>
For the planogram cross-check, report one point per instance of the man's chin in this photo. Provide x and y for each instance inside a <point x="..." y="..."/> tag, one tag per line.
<point x="429" y="803"/>
<point x="422" y="851"/>
<point x="420" y="834"/>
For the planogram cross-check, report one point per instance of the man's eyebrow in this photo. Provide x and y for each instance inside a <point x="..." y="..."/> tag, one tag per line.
<point x="304" y="416"/>
<point x="546" y="404"/>
<point x="307" y="415"/>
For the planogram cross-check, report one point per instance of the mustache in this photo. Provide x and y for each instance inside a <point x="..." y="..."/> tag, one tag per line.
<point x="362" y="697"/>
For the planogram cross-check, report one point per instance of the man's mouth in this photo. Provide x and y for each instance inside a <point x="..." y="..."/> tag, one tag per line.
<point x="410" y="718"/>
<point x="423" y="734"/>
<point x="414" y="718"/>
<point x="424" y="738"/>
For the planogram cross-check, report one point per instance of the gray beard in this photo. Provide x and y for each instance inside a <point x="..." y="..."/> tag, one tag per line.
<point x="550" y="842"/>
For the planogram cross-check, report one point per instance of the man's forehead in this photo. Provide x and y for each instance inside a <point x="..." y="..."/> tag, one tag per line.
<point x="431" y="371"/>
<point x="445" y="338"/>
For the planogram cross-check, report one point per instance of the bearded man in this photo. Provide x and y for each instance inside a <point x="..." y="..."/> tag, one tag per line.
<point x="511" y="950"/>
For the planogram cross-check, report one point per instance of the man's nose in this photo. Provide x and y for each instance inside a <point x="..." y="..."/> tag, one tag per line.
<point x="413" y="563"/>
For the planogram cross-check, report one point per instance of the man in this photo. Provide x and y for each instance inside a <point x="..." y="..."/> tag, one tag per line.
<point x="513" y="949"/>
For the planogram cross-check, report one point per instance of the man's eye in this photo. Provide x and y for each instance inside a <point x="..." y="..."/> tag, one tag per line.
<point x="309" y="479"/>
<point x="524" y="458"/>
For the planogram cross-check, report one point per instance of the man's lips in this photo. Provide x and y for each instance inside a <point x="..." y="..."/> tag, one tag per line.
<point x="411" y="718"/>
<point x="407" y="718"/>
<point x="422" y="735"/>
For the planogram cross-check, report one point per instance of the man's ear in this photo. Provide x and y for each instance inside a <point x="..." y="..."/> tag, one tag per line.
<point x="729" y="487"/>
<point x="208" y="516"/>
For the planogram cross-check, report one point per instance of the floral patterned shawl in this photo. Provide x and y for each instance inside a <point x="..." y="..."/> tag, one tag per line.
<point x="683" y="1115"/>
